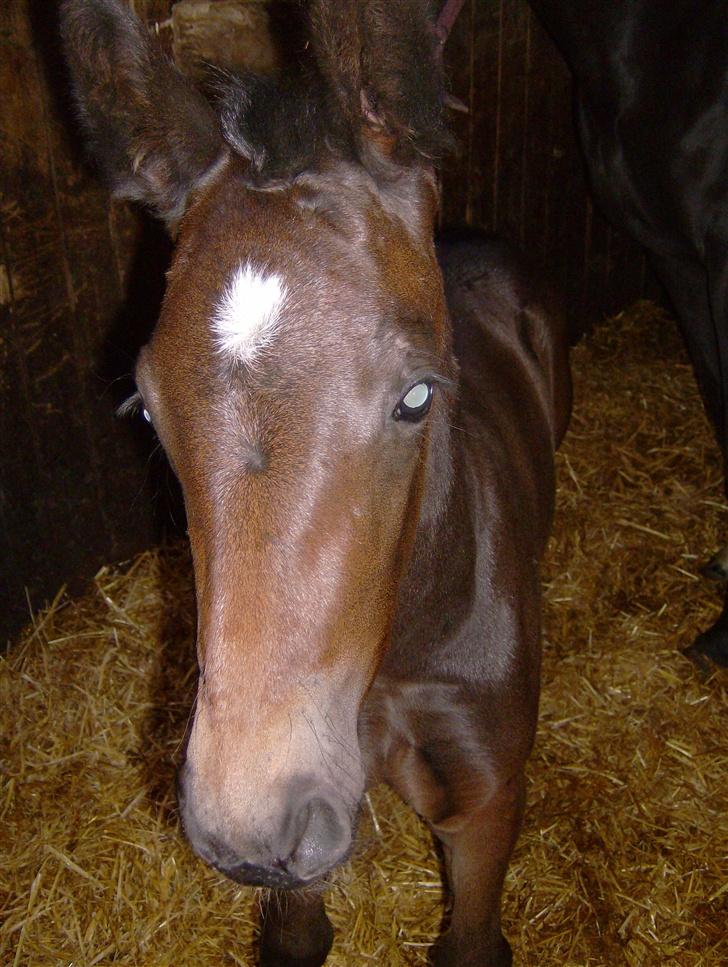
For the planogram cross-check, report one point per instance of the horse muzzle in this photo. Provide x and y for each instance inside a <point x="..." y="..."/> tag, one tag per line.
<point x="312" y="834"/>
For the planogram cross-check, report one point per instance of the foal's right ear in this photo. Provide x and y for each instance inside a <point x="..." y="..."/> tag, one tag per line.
<point x="153" y="134"/>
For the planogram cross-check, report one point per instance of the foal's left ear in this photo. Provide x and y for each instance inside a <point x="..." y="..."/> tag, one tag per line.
<point x="382" y="62"/>
<point x="153" y="134"/>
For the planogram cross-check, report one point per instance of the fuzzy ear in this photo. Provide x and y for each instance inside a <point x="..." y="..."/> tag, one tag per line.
<point x="382" y="62"/>
<point x="152" y="133"/>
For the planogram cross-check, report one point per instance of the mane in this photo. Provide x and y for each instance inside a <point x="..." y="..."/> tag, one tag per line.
<point x="368" y="89"/>
<point x="283" y="125"/>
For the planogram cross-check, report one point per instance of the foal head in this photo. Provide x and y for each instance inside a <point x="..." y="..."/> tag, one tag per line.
<point x="297" y="380"/>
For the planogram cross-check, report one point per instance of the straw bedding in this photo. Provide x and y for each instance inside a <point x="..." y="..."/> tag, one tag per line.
<point x="624" y="855"/>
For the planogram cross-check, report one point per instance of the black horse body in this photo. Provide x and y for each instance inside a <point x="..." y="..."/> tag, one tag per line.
<point x="651" y="87"/>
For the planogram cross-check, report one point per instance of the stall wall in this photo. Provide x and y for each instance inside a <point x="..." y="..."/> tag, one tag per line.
<point x="79" y="278"/>
<point x="519" y="171"/>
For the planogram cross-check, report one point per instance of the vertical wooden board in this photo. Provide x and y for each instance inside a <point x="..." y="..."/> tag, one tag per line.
<point x="537" y="146"/>
<point x="64" y="491"/>
<point x="552" y="166"/>
<point x="563" y="232"/>
<point x="38" y="326"/>
<point x="552" y="190"/>
<point x="472" y="61"/>
<point x="487" y="61"/>
<point x="600" y="268"/>
<point x="17" y="427"/>
<point x="19" y="517"/>
<point x="117" y="303"/>
<point x="520" y="170"/>
<point x="507" y="214"/>
<point x="539" y="149"/>
<point x="459" y="72"/>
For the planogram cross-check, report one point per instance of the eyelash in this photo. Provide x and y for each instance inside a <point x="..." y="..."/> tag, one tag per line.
<point x="133" y="406"/>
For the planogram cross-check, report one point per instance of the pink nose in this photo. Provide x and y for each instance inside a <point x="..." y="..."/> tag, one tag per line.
<point x="314" y="835"/>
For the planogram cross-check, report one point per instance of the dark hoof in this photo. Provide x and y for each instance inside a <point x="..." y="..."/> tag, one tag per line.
<point x="310" y="951"/>
<point x="446" y="954"/>
<point x="715" y="569"/>
<point x="280" y="959"/>
<point x="712" y="646"/>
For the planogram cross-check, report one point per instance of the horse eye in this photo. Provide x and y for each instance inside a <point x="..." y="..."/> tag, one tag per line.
<point x="147" y="417"/>
<point x="415" y="403"/>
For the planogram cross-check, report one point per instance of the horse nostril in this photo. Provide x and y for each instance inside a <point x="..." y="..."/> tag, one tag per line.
<point x="312" y="836"/>
<point x="324" y="838"/>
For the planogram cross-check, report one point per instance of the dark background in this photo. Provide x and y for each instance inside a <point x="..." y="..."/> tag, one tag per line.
<point x="81" y="277"/>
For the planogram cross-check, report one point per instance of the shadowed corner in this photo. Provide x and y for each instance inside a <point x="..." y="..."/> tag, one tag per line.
<point x="173" y="682"/>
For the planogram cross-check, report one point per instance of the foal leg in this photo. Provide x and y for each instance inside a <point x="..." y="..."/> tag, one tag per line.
<point x="477" y="819"/>
<point x="296" y="931"/>
<point x="477" y="846"/>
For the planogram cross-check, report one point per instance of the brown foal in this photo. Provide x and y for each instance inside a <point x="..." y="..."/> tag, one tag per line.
<point x="364" y="430"/>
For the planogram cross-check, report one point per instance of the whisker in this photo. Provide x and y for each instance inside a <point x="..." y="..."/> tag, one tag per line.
<point x="190" y="716"/>
<point x="324" y="756"/>
<point x="145" y="479"/>
<point x="461" y="429"/>
<point x="326" y="718"/>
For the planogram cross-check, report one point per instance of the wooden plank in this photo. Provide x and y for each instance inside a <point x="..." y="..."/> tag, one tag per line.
<point x="63" y="277"/>
<point x="507" y="213"/>
<point x="471" y="60"/>
<point x="520" y="170"/>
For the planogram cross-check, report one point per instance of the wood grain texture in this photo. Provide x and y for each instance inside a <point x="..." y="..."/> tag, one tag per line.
<point x="71" y="475"/>
<point x="519" y="171"/>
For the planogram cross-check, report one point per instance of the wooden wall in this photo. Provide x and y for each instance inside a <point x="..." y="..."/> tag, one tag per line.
<point x="519" y="171"/>
<point x="80" y="278"/>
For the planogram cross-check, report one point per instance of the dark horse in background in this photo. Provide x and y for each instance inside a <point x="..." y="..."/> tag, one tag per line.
<point x="651" y="85"/>
<point x="364" y="439"/>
